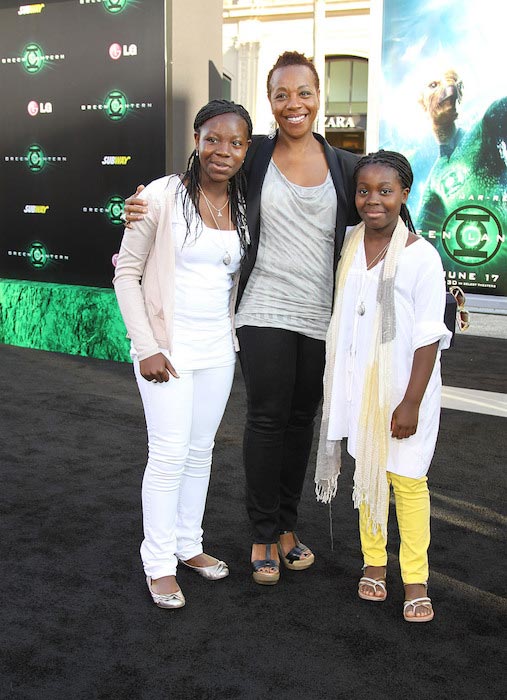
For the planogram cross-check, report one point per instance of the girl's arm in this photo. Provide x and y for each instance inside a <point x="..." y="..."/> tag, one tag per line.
<point x="137" y="243"/>
<point x="406" y="415"/>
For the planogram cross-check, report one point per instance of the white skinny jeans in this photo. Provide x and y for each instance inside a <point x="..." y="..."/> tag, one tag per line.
<point x="182" y="418"/>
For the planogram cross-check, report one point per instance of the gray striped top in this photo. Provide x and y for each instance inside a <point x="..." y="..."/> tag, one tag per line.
<point x="291" y="284"/>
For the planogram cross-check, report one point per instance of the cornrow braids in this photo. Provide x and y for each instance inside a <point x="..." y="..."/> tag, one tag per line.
<point x="237" y="183"/>
<point x="398" y="162"/>
<point x="292" y="58"/>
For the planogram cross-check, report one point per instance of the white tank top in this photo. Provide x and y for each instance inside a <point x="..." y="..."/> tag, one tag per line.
<point x="202" y="324"/>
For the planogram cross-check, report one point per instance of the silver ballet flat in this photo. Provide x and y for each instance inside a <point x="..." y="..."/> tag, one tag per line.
<point x="213" y="572"/>
<point x="166" y="600"/>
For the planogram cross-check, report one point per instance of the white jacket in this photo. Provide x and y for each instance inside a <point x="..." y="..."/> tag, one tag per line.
<point x="145" y="272"/>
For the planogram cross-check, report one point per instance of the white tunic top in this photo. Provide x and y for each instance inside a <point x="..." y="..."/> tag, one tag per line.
<point x="419" y="299"/>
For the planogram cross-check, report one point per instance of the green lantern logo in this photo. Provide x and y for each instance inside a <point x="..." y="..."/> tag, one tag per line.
<point x="116" y="105"/>
<point x="38" y="255"/>
<point x="472" y="235"/>
<point x="114" y="210"/>
<point x="35" y="158"/>
<point x="115" y="6"/>
<point x="33" y="58"/>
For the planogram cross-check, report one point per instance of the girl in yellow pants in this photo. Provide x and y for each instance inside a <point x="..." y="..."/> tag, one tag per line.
<point x="382" y="380"/>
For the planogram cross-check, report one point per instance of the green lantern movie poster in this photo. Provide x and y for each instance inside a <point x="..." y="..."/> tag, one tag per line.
<point x="444" y="105"/>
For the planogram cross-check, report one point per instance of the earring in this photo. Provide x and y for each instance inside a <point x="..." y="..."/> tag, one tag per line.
<point x="196" y="153"/>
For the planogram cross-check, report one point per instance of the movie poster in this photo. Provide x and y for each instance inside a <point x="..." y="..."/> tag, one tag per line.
<point x="443" y="103"/>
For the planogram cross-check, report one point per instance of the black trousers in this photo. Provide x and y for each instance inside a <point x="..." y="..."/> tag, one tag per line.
<point x="283" y="373"/>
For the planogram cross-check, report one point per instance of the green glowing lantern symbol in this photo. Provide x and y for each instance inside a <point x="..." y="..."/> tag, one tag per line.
<point x="38" y="255"/>
<point x="115" y="6"/>
<point x="35" y="158"/>
<point x="473" y="235"/>
<point x="116" y="105"/>
<point x="33" y="58"/>
<point x="114" y="209"/>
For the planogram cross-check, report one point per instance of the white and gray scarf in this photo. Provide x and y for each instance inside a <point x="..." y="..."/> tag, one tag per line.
<point x="370" y="483"/>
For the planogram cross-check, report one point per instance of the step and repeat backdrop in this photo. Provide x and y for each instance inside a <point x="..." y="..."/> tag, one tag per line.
<point x="82" y="122"/>
<point x="443" y="103"/>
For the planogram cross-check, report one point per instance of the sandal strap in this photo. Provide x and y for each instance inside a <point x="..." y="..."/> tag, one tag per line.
<point x="416" y="602"/>
<point x="296" y="553"/>
<point x="265" y="563"/>
<point x="373" y="582"/>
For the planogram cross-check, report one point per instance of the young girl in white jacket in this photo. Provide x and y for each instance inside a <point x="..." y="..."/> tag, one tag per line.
<point x="175" y="282"/>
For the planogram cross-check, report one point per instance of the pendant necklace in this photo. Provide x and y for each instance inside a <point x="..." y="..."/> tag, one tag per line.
<point x="210" y="204"/>
<point x="227" y="256"/>
<point x="361" y="307"/>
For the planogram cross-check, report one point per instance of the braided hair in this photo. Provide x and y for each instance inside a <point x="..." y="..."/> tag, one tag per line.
<point x="398" y="162"/>
<point x="237" y="183"/>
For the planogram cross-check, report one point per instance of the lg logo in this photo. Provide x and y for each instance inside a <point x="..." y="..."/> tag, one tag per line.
<point x="34" y="108"/>
<point x="116" y="51"/>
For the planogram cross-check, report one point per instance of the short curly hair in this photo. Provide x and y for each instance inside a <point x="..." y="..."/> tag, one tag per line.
<point x="292" y="58"/>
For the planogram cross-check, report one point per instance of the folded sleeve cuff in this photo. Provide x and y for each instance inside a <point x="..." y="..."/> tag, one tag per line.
<point x="431" y="332"/>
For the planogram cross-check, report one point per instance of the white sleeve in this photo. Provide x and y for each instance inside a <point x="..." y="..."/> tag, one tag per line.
<point x="135" y="247"/>
<point x="429" y="302"/>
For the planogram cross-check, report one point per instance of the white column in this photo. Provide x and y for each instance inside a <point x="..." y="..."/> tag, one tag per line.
<point x="319" y="58"/>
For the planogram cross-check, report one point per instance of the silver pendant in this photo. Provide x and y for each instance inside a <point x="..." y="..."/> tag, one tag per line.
<point x="226" y="259"/>
<point x="361" y="308"/>
<point x="219" y="214"/>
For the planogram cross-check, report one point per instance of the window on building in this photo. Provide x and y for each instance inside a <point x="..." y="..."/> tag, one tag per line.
<point x="346" y="94"/>
<point x="346" y="85"/>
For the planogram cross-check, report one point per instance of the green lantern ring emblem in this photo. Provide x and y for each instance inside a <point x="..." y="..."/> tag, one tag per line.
<point x="116" y="105"/>
<point x="35" y="158"/>
<point x="33" y="58"/>
<point x="114" y="210"/>
<point x="115" y="6"/>
<point x="38" y="255"/>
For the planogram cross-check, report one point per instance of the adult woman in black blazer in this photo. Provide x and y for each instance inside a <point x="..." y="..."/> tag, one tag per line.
<point x="282" y="364"/>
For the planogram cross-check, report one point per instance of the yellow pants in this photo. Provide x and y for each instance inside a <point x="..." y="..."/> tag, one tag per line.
<point x="412" y="500"/>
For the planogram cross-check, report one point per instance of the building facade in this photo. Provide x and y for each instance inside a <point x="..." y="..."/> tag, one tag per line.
<point x="335" y="33"/>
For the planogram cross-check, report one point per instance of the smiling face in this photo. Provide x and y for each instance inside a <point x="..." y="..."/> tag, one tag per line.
<point x="379" y="196"/>
<point x="294" y="99"/>
<point x="222" y="142"/>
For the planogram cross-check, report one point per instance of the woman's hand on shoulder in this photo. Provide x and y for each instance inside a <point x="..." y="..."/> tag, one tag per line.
<point x="135" y="207"/>
<point x="157" y="368"/>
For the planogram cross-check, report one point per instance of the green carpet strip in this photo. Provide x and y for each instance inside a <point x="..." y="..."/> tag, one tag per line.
<point x="62" y="318"/>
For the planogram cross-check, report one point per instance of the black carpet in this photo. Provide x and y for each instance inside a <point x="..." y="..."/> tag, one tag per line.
<point x="76" y="617"/>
